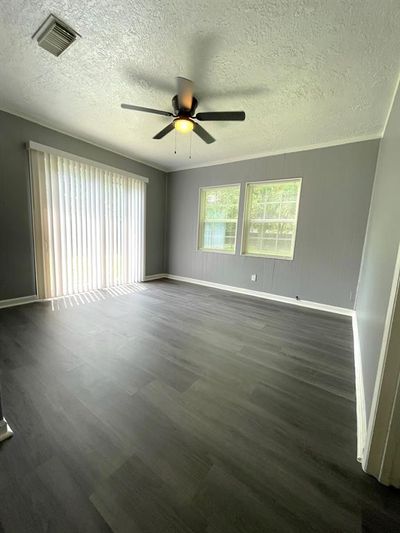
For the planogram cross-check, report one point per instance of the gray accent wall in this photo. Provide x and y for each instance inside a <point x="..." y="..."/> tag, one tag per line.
<point x="334" y="204"/>
<point x="17" y="277"/>
<point x="380" y="252"/>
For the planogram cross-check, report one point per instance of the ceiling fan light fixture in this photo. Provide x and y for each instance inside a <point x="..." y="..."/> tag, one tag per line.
<point x="184" y="106"/>
<point x="183" y="125"/>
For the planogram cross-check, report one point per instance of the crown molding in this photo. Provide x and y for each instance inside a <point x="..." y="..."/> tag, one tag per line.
<point x="73" y="136"/>
<point x="328" y="144"/>
<point x="396" y="88"/>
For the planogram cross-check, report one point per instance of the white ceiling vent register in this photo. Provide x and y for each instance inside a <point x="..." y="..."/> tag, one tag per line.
<point x="55" y="36"/>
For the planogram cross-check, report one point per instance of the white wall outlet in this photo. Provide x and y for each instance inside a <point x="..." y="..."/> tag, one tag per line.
<point x="254" y="277"/>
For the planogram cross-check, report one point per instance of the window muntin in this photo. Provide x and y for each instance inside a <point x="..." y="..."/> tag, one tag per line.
<point x="218" y="218"/>
<point x="270" y="218"/>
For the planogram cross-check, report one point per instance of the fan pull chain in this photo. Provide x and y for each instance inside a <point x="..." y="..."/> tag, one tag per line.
<point x="190" y="150"/>
<point x="175" y="143"/>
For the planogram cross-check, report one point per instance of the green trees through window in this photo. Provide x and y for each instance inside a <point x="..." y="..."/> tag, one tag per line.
<point x="271" y="218"/>
<point x="219" y="210"/>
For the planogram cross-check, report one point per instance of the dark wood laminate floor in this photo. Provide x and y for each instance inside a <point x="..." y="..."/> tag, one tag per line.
<point x="182" y="409"/>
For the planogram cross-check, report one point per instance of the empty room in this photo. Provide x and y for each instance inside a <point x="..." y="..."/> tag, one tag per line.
<point x="199" y="266"/>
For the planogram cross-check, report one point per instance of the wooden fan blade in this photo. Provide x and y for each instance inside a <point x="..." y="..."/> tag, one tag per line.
<point x="203" y="134"/>
<point x="222" y="115"/>
<point x="147" y="110"/>
<point x="164" y="132"/>
<point x="185" y="93"/>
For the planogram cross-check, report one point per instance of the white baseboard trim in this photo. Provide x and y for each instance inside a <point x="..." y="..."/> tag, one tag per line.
<point x="360" y="397"/>
<point x="265" y="295"/>
<point x="18" y="301"/>
<point x="155" y="276"/>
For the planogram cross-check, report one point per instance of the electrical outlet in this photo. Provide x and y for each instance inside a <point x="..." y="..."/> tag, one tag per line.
<point x="254" y="277"/>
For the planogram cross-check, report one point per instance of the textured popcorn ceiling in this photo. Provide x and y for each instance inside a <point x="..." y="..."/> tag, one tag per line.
<point x="307" y="72"/>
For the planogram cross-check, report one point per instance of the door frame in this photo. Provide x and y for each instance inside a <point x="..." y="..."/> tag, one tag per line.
<point x="382" y="447"/>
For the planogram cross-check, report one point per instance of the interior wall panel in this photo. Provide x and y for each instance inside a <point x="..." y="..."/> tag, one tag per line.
<point x="380" y="253"/>
<point x="334" y="204"/>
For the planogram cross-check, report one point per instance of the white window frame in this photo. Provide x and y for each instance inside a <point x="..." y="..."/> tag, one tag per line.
<point x="208" y="250"/>
<point x="245" y="221"/>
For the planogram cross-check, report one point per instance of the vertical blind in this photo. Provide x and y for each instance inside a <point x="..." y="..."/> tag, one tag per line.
<point x="88" y="226"/>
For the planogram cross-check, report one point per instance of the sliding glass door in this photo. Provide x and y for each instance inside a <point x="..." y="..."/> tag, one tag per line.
<point x="89" y="225"/>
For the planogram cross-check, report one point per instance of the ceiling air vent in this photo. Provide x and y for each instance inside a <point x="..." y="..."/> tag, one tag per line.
<point x="55" y="36"/>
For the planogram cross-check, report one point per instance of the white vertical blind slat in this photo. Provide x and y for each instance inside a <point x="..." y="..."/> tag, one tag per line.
<point x="85" y="249"/>
<point x="142" y="232"/>
<point x="88" y="225"/>
<point x="108" y="219"/>
<point x="50" y="244"/>
<point x="136" y="227"/>
<point x="93" y="239"/>
<point x="63" y="244"/>
<point x="74" y="236"/>
<point x="79" y="227"/>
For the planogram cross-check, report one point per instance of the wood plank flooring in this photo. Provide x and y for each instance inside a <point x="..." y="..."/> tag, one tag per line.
<point x="182" y="409"/>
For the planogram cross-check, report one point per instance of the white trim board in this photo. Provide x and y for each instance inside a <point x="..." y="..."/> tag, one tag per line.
<point x="381" y="446"/>
<point x="18" y="301"/>
<point x="391" y="105"/>
<point x="258" y="294"/>
<point x="360" y="396"/>
<point x="155" y="276"/>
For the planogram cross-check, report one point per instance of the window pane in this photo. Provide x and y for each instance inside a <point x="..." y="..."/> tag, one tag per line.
<point x="219" y="208"/>
<point x="271" y="218"/>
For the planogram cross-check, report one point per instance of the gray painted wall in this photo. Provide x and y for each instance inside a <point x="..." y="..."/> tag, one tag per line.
<point x="16" y="247"/>
<point x="380" y="252"/>
<point x="335" y="198"/>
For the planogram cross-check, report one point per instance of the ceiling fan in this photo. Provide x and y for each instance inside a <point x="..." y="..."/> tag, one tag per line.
<point x="184" y="105"/>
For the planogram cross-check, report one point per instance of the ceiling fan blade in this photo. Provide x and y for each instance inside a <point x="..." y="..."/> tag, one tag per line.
<point x="164" y="132"/>
<point x="222" y="115"/>
<point x="147" y="110"/>
<point x="203" y="134"/>
<point x="185" y="93"/>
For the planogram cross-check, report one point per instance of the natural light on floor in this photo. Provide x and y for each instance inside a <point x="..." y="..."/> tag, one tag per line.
<point x="83" y="298"/>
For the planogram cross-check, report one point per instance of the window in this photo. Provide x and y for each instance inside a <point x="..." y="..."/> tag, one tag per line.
<point x="270" y="219"/>
<point x="218" y="217"/>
